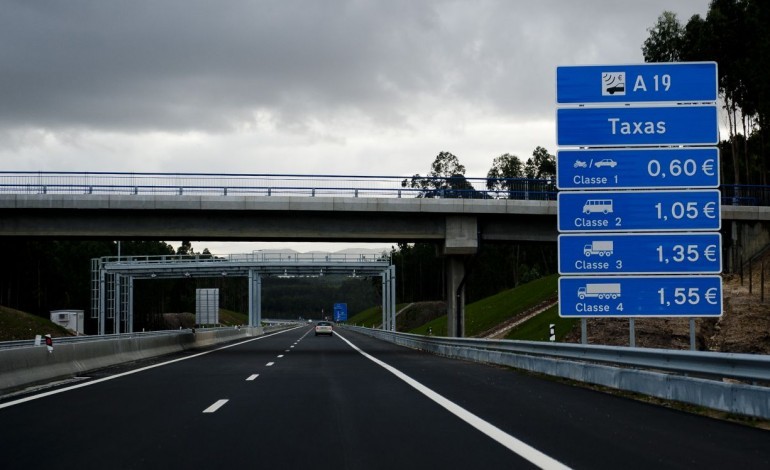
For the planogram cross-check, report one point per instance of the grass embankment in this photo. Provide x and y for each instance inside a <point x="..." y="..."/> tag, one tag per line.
<point x="231" y="318"/>
<point x="371" y="317"/>
<point x="538" y="328"/>
<point x="486" y="313"/>
<point x="17" y="325"/>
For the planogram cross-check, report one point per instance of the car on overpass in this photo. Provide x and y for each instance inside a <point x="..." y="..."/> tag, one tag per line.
<point x="323" y="328"/>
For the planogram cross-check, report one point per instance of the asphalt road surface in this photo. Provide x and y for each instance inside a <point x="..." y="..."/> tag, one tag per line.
<point x="293" y="400"/>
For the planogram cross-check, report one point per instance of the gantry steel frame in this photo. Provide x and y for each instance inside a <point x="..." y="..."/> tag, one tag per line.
<point x="112" y="278"/>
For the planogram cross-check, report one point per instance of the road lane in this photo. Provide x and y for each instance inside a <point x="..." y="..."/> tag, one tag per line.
<point x="324" y="404"/>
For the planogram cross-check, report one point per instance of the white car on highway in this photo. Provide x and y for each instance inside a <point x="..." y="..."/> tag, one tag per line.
<point x="323" y="328"/>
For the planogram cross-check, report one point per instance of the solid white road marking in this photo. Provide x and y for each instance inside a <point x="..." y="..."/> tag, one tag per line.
<point x="270" y="364"/>
<point x="217" y="405"/>
<point x="525" y="451"/>
<point x="252" y="377"/>
<point x="94" y="382"/>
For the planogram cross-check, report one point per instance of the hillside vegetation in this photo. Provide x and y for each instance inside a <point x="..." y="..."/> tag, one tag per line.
<point x="487" y="313"/>
<point x="16" y="325"/>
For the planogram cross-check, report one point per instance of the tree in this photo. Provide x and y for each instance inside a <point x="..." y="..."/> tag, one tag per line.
<point x="665" y="41"/>
<point x="542" y="165"/>
<point x="504" y="169"/>
<point x="445" y="179"/>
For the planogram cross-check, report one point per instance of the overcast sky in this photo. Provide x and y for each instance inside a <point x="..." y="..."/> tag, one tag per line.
<point x="303" y="87"/>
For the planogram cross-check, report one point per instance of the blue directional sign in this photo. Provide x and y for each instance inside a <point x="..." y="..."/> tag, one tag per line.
<point x="637" y="168"/>
<point x="622" y="253"/>
<point x="665" y="125"/>
<point x="340" y="312"/>
<point x="647" y="296"/>
<point x="605" y="211"/>
<point x="661" y="82"/>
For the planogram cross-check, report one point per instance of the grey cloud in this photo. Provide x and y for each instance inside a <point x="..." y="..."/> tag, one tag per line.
<point x="197" y="65"/>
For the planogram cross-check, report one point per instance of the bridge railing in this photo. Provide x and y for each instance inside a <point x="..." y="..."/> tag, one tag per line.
<point x="211" y="184"/>
<point x="215" y="184"/>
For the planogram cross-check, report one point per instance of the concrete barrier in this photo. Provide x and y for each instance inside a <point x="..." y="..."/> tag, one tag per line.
<point x="23" y="367"/>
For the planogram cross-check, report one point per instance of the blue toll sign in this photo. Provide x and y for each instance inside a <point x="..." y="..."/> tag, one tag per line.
<point x="607" y="211"/>
<point x="620" y="127"/>
<point x="638" y="168"/>
<point x="645" y="296"/>
<point x="637" y="83"/>
<point x="651" y="253"/>
<point x="340" y="312"/>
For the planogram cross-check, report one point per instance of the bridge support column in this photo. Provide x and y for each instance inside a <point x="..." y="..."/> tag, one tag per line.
<point x="255" y="299"/>
<point x="462" y="240"/>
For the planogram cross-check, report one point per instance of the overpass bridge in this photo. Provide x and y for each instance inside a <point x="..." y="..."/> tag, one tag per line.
<point x="456" y="213"/>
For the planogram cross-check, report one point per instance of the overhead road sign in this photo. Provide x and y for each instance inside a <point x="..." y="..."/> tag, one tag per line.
<point x="340" y="312"/>
<point x="640" y="296"/>
<point x="638" y="168"/>
<point x="606" y="211"/>
<point x="638" y="83"/>
<point x="642" y="126"/>
<point x="651" y="253"/>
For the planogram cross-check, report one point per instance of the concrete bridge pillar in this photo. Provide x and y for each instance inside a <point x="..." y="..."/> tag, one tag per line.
<point x="461" y="242"/>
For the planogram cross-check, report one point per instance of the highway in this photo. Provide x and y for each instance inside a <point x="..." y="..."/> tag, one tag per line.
<point x="294" y="400"/>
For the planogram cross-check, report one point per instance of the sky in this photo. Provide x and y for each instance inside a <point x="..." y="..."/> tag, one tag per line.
<point x="351" y="87"/>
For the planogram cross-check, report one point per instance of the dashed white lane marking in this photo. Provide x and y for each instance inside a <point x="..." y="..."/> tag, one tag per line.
<point x="104" y="379"/>
<point x="252" y="377"/>
<point x="525" y="451"/>
<point x="287" y="350"/>
<point x="270" y="364"/>
<point x="292" y="346"/>
<point x="280" y="356"/>
<point x="217" y="405"/>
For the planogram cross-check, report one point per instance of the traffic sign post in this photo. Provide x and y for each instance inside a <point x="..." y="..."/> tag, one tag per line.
<point x="651" y="253"/>
<point x="642" y="296"/>
<point x="665" y="168"/>
<point x="626" y="186"/>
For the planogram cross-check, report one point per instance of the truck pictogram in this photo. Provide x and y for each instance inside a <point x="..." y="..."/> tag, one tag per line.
<point x="599" y="247"/>
<point x="601" y="291"/>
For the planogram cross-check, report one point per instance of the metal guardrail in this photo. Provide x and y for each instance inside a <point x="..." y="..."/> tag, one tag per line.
<point x="699" y="378"/>
<point x="714" y="365"/>
<point x="30" y="343"/>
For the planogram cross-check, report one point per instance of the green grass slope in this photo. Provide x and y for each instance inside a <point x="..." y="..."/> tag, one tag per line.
<point x="486" y="313"/>
<point x="370" y="317"/>
<point x="538" y="328"/>
<point x="231" y="318"/>
<point x="17" y="325"/>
